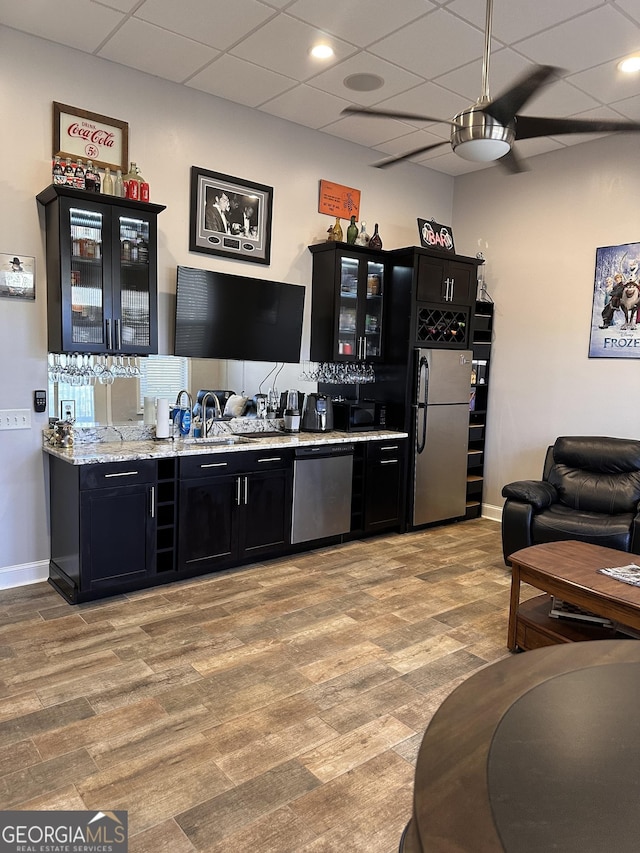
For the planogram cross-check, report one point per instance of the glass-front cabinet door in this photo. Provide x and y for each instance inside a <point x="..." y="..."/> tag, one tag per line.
<point x="360" y="304"/>
<point x="101" y="273"/>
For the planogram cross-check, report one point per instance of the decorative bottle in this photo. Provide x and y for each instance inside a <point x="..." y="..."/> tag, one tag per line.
<point x="57" y="174"/>
<point x="144" y="187"/>
<point x="376" y="240"/>
<point x="107" y="184"/>
<point x="337" y="231"/>
<point x="352" y="232"/>
<point x="131" y="183"/>
<point x="90" y="177"/>
<point x="363" y="238"/>
<point x="118" y="185"/>
<point x="97" y="180"/>
<point x="79" y="182"/>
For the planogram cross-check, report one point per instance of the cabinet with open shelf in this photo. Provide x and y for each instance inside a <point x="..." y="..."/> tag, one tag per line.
<point x="481" y="336"/>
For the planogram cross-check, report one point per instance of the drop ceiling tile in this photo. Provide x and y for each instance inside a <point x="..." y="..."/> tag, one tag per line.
<point x="283" y="45"/>
<point x="631" y="7"/>
<point x="367" y="131"/>
<point x="156" y="51"/>
<point x="347" y="20"/>
<point x="412" y="141"/>
<point x="509" y="25"/>
<point x="530" y="147"/>
<point x="428" y="99"/>
<point x="121" y="5"/>
<point x="606" y="83"/>
<point x="559" y="99"/>
<point x="505" y="66"/>
<point x="606" y="31"/>
<point x="307" y="106"/>
<point x="71" y="22"/>
<point x="629" y="108"/>
<point x="395" y="79"/>
<point x="603" y="113"/>
<point x="277" y="4"/>
<point x="236" y="80"/>
<point x="433" y="45"/>
<point x="218" y="24"/>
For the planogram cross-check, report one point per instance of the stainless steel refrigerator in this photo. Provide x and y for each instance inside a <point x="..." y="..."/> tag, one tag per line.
<point x="440" y="434"/>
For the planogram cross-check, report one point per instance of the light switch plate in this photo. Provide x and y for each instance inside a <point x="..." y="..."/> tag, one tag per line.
<point x="15" y="419"/>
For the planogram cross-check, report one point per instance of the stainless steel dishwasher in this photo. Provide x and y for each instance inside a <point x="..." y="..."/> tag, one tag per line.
<point x="322" y="478"/>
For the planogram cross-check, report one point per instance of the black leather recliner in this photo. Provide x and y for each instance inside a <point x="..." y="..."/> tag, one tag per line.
<point x="590" y="491"/>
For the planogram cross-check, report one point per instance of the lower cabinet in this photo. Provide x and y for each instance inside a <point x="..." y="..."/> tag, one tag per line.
<point x="103" y="527"/>
<point x="233" y="507"/>
<point x="378" y="486"/>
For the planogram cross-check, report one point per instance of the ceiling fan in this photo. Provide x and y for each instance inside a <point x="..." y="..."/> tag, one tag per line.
<point x="486" y="131"/>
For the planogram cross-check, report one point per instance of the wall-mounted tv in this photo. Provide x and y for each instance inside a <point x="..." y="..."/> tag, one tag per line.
<point x="219" y="315"/>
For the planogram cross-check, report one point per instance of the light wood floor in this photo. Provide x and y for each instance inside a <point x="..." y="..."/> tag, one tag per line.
<point x="272" y="709"/>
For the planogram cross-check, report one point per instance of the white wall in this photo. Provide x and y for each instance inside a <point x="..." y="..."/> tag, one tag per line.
<point x="539" y="231"/>
<point x="171" y="128"/>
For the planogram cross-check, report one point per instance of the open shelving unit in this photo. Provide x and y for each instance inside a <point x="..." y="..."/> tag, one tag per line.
<point x="166" y="530"/>
<point x="481" y="337"/>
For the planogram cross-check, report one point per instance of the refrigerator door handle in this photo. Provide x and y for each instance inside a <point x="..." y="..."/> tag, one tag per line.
<point x="421" y="430"/>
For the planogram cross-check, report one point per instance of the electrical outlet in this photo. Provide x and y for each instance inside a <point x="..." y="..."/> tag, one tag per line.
<point x="15" y="419"/>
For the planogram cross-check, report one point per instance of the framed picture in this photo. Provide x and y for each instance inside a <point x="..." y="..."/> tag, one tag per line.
<point x="17" y="276"/>
<point x="337" y="200"/>
<point x="230" y="217"/>
<point x="435" y="236"/>
<point x="79" y="133"/>
<point x="616" y="302"/>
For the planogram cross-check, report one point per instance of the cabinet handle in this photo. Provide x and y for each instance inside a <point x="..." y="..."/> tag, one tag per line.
<point x="388" y="461"/>
<point x="389" y="448"/>
<point x="214" y="465"/>
<point x="118" y="335"/>
<point x="108" y="335"/>
<point x="246" y="490"/>
<point x="121" y="474"/>
<point x="453" y="284"/>
<point x="271" y="459"/>
<point x="238" y="491"/>
<point x="152" y="497"/>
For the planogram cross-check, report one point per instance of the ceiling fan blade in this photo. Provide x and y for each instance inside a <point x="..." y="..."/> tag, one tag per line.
<point x="529" y="127"/>
<point x="507" y="104"/>
<point x="512" y="163"/>
<point x="382" y="164"/>
<point x="371" y="111"/>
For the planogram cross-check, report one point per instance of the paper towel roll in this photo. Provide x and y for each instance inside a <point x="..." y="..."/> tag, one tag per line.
<point x="162" y="418"/>
<point x="149" y="411"/>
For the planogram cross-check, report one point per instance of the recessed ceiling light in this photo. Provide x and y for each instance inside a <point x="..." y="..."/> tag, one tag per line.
<point x="322" y="51"/>
<point x="363" y="82"/>
<point x="630" y="64"/>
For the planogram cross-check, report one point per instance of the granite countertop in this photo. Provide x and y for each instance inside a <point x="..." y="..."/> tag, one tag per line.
<point x="88" y="452"/>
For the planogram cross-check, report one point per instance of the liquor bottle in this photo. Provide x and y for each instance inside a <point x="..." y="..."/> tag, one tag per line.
<point x="352" y="231"/>
<point x="376" y="240"/>
<point x="79" y="175"/>
<point x="118" y="185"/>
<point x="57" y="172"/>
<point x="107" y="184"/>
<point x="90" y="177"/>
<point x="132" y="183"/>
<point x="337" y="231"/>
<point x="69" y="173"/>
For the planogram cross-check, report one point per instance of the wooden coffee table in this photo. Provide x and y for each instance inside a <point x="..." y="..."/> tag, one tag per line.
<point x="568" y="570"/>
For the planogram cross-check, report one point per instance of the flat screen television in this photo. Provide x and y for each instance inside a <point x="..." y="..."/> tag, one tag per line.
<point x="219" y="315"/>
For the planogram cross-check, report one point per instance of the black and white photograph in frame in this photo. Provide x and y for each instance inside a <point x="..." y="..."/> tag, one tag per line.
<point x="230" y="216"/>
<point x="615" y="330"/>
<point x="17" y="276"/>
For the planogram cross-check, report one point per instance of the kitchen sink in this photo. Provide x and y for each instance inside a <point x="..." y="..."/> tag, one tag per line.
<point x="213" y="440"/>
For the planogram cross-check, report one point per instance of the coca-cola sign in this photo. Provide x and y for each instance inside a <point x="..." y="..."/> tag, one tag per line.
<point x="80" y="133"/>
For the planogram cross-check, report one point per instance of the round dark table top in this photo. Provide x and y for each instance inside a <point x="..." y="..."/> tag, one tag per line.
<point x="539" y="751"/>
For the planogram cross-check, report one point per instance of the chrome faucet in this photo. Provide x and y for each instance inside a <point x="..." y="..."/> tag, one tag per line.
<point x="179" y="403"/>
<point x="217" y="409"/>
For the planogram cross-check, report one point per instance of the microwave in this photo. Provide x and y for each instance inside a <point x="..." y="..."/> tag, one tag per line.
<point x="351" y="416"/>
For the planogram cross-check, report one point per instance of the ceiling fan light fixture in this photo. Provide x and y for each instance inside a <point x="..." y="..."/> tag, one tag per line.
<point x="479" y="137"/>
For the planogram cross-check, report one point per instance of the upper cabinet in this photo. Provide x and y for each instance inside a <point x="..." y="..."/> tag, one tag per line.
<point x="348" y="297"/>
<point x="102" y="290"/>
<point x="445" y="280"/>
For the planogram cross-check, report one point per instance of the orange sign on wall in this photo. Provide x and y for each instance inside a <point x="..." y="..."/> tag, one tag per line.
<point x="336" y="200"/>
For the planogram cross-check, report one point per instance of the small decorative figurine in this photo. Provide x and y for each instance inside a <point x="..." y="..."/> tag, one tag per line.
<point x="352" y="232"/>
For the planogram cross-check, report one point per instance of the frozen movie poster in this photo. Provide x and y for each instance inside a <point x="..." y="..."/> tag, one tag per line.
<point x="615" y="332"/>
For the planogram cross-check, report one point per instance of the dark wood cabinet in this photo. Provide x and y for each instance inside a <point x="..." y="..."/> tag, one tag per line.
<point x="378" y="496"/>
<point x="101" y="272"/>
<point x="103" y="528"/>
<point x="482" y="331"/>
<point x="446" y="281"/>
<point x="233" y="508"/>
<point x="348" y="301"/>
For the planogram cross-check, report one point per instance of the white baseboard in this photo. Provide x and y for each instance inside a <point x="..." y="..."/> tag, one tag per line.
<point x="24" y="574"/>
<point x="494" y="513"/>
